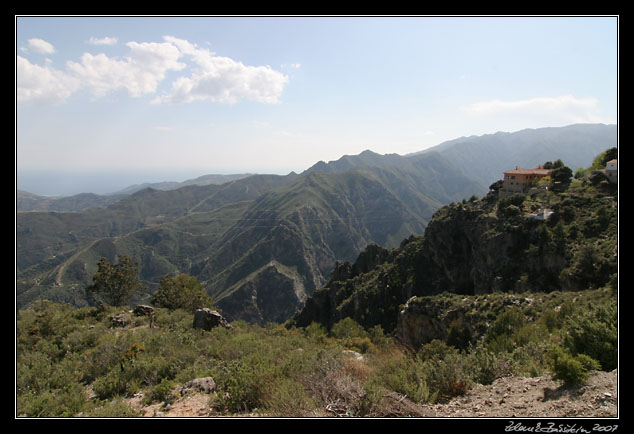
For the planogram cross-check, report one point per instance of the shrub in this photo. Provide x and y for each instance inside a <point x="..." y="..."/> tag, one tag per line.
<point x="459" y="335"/>
<point x="288" y="398"/>
<point x="571" y="369"/>
<point x="181" y="292"/>
<point x="499" y="337"/>
<point x="446" y="371"/>
<point x="594" y="332"/>
<point x="487" y="365"/>
<point x="117" y="408"/>
<point x="161" y="392"/>
<point x="399" y="372"/>
<point x="245" y="384"/>
<point x="347" y="328"/>
<point x="115" y="283"/>
<point x="64" y="402"/>
<point x="110" y="385"/>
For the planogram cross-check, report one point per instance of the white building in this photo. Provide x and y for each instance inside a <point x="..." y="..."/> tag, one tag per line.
<point x="612" y="171"/>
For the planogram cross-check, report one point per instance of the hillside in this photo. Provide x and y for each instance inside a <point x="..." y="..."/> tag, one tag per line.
<point x="111" y="362"/>
<point x="49" y="245"/>
<point x="478" y="247"/>
<point x="295" y="234"/>
<point x="249" y="242"/>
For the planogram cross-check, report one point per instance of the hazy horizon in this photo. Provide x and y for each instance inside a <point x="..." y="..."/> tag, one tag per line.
<point x="53" y="183"/>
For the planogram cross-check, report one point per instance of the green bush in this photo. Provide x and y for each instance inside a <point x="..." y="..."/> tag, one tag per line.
<point x="181" y="292"/>
<point x="572" y="370"/>
<point x="114" y="384"/>
<point x="445" y="369"/>
<point x="160" y="392"/>
<point x="594" y="332"/>
<point x="244" y="384"/>
<point x="114" y="409"/>
<point x="487" y="365"/>
<point x="399" y="372"/>
<point x="347" y="328"/>
<point x="64" y="402"/>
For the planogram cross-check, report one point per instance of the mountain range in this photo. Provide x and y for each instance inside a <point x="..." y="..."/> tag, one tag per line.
<point x="263" y="244"/>
<point x="26" y="201"/>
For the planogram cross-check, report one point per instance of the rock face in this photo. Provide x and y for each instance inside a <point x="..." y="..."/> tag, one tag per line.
<point x="475" y="248"/>
<point x="208" y="319"/>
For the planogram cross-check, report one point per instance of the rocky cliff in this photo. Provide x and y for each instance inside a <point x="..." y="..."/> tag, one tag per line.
<point x="479" y="247"/>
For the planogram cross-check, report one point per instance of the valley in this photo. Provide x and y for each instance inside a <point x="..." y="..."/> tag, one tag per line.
<point x="273" y="230"/>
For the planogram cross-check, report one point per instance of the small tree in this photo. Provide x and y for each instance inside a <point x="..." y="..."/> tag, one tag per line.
<point x="181" y="292"/>
<point x="115" y="283"/>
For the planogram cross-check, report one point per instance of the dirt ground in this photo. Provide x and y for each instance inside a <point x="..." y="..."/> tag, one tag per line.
<point x="539" y="397"/>
<point x="511" y="397"/>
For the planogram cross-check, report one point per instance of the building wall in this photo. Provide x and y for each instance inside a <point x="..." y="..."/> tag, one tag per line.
<point x="519" y="180"/>
<point x="611" y="171"/>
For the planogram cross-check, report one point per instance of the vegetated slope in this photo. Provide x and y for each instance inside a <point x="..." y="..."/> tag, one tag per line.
<point x="485" y="158"/>
<point x="259" y="259"/>
<point x="294" y="236"/>
<point x="477" y="247"/>
<point x="48" y="242"/>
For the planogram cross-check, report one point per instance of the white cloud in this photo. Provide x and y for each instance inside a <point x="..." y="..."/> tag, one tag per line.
<point x="211" y="77"/>
<point x="560" y="110"/>
<point x="108" y="40"/>
<point x="41" y="46"/>
<point x="42" y="83"/>
<point x="221" y="79"/>
<point x="139" y="73"/>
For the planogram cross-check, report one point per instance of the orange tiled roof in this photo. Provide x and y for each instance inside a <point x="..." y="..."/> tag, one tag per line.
<point x="536" y="171"/>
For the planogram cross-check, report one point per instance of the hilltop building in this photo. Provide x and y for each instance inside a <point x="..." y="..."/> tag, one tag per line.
<point x="612" y="171"/>
<point x="521" y="180"/>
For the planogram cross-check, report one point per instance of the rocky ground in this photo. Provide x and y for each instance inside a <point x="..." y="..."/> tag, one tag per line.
<point x="511" y="397"/>
<point x="539" y="397"/>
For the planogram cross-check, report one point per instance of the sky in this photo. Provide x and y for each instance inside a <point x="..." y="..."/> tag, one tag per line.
<point x="102" y="103"/>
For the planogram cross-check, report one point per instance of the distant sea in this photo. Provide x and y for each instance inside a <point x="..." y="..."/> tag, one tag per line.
<point x="67" y="183"/>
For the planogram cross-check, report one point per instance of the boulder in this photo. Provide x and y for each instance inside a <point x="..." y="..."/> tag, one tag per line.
<point x="205" y="385"/>
<point x="143" y="310"/>
<point x="119" y="320"/>
<point x="208" y="319"/>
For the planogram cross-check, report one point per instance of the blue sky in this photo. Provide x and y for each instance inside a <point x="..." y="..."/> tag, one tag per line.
<point x="133" y="99"/>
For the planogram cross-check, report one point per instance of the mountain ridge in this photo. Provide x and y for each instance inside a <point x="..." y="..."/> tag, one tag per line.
<point x="303" y="222"/>
<point x="288" y="229"/>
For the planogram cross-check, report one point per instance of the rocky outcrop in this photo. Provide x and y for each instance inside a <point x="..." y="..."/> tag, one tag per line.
<point x="475" y="248"/>
<point x="423" y="319"/>
<point x="208" y="319"/>
<point x="205" y="385"/>
<point x="143" y="310"/>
